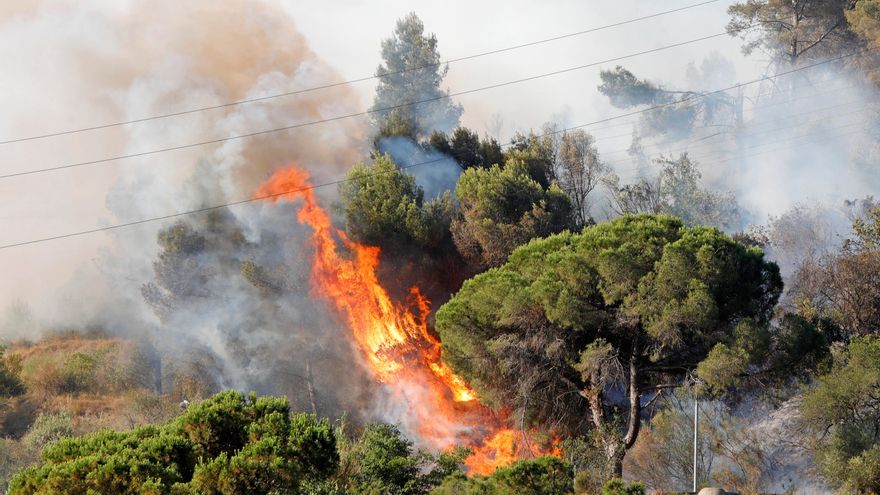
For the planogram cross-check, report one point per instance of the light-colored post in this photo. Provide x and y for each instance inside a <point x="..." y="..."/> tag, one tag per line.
<point x="696" y="419"/>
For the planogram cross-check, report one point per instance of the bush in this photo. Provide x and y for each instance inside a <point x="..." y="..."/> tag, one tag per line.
<point x="541" y="476"/>
<point x="10" y="375"/>
<point x="617" y="486"/>
<point x="78" y="373"/>
<point x="227" y="444"/>
<point x="48" y="428"/>
<point x="83" y="366"/>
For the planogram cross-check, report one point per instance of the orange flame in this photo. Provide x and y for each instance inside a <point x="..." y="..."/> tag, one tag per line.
<point x="399" y="348"/>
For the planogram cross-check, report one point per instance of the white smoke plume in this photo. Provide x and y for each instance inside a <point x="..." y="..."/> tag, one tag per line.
<point x="140" y="58"/>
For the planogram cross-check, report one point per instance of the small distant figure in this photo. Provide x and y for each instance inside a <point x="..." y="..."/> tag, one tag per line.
<point x="184" y="404"/>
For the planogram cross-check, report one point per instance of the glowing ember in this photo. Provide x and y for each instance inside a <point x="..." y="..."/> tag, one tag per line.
<point x="399" y="348"/>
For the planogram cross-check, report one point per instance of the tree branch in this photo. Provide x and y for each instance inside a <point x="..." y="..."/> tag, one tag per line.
<point x="821" y="38"/>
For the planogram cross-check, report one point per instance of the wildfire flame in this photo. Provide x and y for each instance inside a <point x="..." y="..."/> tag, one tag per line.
<point x="398" y="347"/>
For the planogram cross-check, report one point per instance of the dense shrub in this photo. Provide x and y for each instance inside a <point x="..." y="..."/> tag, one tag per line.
<point x="541" y="476"/>
<point x="617" y="486"/>
<point x="48" y="428"/>
<point x="227" y="444"/>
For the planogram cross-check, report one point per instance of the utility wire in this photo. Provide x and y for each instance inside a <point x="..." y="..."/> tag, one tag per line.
<point x="700" y="95"/>
<point x="204" y="209"/>
<point x="360" y="79"/>
<point x="714" y="161"/>
<point x="315" y="186"/>
<point x="824" y="137"/>
<point x="759" y="124"/>
<point x="356" y="114"/>
<point x="751" y="125"/>
<point x="755" y="107"/>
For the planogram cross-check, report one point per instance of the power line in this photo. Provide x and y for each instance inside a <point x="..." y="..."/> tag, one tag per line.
<point x="315" y="186"/>
<point x="699" y="95"/>
<point x="202" y="210"/>
<point x="601" y="138"/>
<point x="755" y="107"/>
<point x="717" y="155"/>
<point x="822" y="138"/>
<point x="357" y="114"/>
<point x="710" y="160"/>
<point x="357" y="80"/>
<point x="759" y="124"/>
<point x="750" y="125"/>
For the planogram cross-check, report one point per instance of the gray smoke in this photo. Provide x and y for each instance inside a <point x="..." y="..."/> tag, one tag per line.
<point x="147" y="58"/>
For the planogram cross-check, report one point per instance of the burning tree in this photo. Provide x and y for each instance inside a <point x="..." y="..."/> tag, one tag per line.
<point x="578" y="331"/>
<point x="398" y="347"/>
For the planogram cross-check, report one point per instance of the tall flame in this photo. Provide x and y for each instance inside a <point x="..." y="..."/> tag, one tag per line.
<point x="399" y="349"/>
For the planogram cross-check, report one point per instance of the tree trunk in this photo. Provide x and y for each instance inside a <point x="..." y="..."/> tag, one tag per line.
<point x="613" y="443"/>
<point x="615" y="463"/>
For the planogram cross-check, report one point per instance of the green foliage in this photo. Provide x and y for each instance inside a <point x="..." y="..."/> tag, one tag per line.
<point x="78" y="372"/>
<point x="467" y="148"/>
<point x="789" y="30"/>
<point x="672" y="112"/>
<point x="179" y="275"/>
<point x="410" y="72"/>
<point x="387" y="463"/>
<point x="684" y="197"/>
<point x="227" y="444"/>
<point x="867" y="229"/>
<point x="773" y="357"/>
<point x="541" y="476"/>
<point x="864" y="21"/>
<point x="538" y="152"/>
<point x="625" y="90"/>
<point x="381" y="461"/>
<point x="676" y="190"/>
<point x="230" y="444"/>
<point x="384" y="207"/>
<point x="10" y="375"/>
<point x="502" y="208"/>
<point x="844" y="411"/>
<point x="48" y="428"/>
<point x="617" y="486"/>
<point x="642" y="289"/>
<point x="722" y="368"/>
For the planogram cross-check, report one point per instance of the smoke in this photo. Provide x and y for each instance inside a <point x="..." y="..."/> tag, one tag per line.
<point x="435" y="172"/>
<point x="79" y="64"/>
<point x="138" y="58"/>
<point x="804" y="145"/>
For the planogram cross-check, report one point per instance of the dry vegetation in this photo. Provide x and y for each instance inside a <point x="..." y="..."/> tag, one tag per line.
<point x="75" y="384"/>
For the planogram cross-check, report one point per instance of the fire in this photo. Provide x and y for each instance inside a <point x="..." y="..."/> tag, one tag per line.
<point x="400" y="350"/>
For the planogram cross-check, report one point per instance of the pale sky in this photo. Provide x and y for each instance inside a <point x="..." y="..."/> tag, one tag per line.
<point x="55" y="51"/>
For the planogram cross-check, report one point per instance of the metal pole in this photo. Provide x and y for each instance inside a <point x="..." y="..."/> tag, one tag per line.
<point x="696" y="419"/>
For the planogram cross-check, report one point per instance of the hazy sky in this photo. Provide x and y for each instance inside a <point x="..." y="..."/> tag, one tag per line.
<point x="348" y="35"/>
<point x="54" y="52"/>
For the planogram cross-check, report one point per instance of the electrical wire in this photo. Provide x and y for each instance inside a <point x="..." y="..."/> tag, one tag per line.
<point x="356" y="114"/>
<point x="411" y="165"/>
<point x="357" y="80"/>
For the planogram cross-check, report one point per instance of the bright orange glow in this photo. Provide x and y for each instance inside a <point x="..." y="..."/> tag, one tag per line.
<point x="397" y="344"/>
